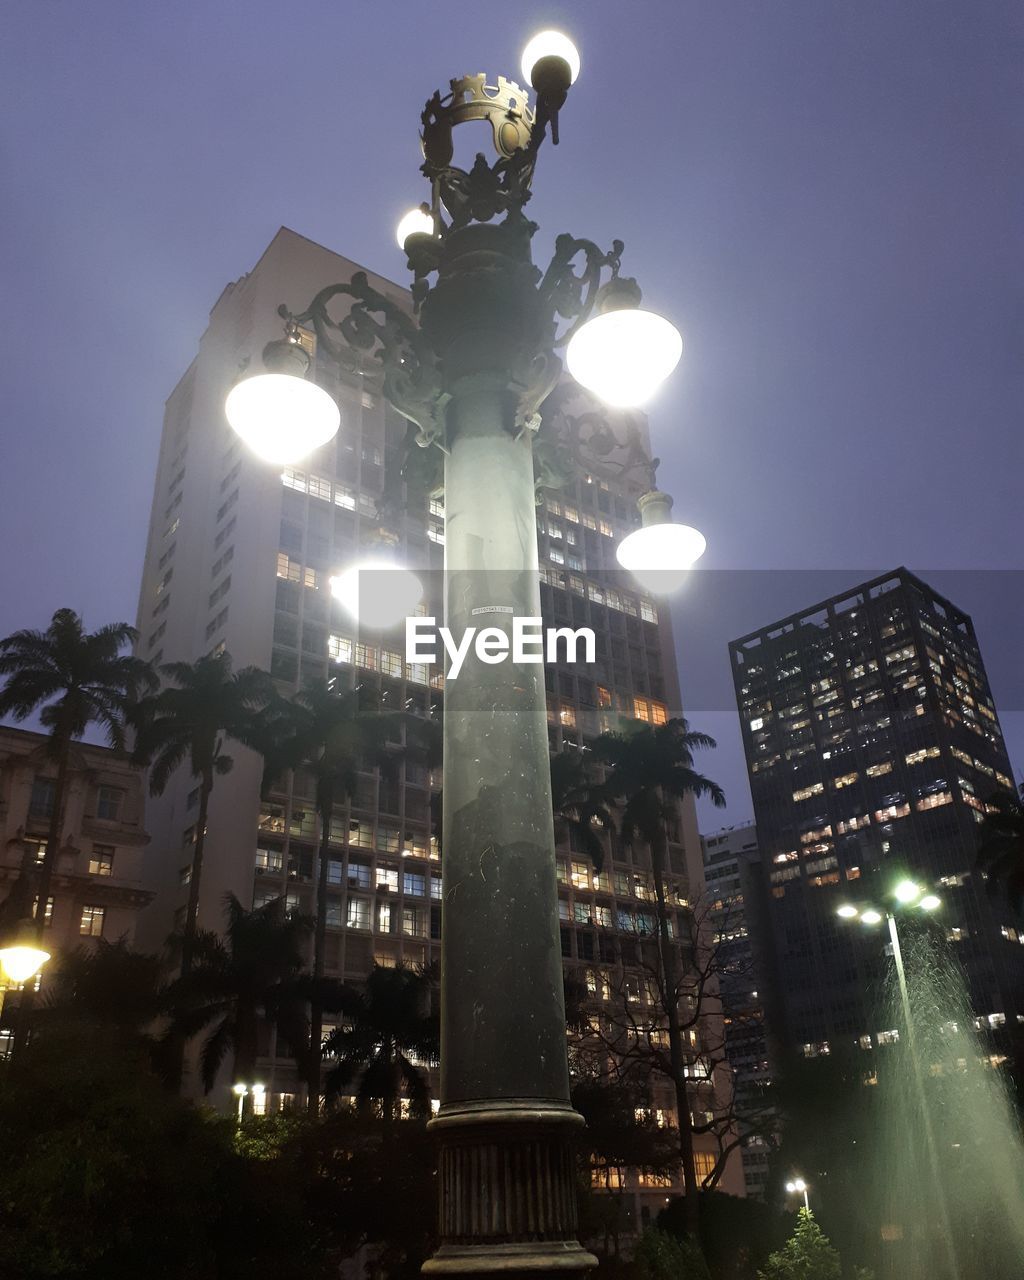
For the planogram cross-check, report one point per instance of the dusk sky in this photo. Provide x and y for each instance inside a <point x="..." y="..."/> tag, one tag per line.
<point x="826" y="197"/>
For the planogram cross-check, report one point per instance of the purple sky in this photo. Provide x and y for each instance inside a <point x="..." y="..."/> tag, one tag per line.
<point x="826" y="198"/>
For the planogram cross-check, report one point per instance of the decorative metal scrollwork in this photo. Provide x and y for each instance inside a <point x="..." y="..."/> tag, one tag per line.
<point x="384" y="332"/>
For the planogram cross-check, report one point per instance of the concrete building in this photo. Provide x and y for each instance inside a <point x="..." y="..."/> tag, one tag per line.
<point x="238" y="560"/>
<point x="97" y="889"/>
<point x="732" y="873"/>
<point x="872" y="744"/>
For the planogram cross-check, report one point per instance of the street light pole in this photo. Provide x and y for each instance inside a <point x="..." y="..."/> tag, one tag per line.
<point x="911" y="895"/>
<point x="926" y="1117"/>
<point x="471" y="372"/>
<point x="505" y="1123"/>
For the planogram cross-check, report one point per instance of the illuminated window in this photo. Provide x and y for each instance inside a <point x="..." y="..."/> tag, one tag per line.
<point x="91" y="924"/>
<point x="269" y="860"/>
<point x="339" y="648"/>
<point x="360" y="834"/>
<point x="580" y="875"/>
<point x="358" y="913"/>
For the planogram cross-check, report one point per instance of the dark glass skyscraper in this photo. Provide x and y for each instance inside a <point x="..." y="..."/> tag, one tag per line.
<point x="872" y="745"/>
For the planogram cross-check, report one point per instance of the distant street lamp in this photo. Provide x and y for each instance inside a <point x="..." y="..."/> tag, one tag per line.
<point x="798" y="1187"/>
<point x="471" y="370"/>
<point x="242" y="1091"/>
<point x="908" y="894"/>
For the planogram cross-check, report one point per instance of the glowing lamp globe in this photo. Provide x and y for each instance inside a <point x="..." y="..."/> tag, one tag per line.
<point x="624" y="356"/>
<point x="21" y="961"/>
<point x="847" y="912"/>
<point x="281" y="417"/>
<point x="907" y="892"/>
<point x="541" y="58"/>
<point x="871" y="916"/>
<point x="930" y="902"/>
<point x="378" y="592"/>
<point x="413" y="223"/>
<point x="659" y="554"/>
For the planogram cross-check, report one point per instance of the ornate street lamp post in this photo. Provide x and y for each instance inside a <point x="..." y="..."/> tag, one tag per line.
<point x="472" y="371"/>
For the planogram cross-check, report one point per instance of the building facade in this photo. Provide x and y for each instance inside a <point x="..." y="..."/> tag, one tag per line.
<point x="97" y="889"/>
<point x="872" y="744"/>
<point x="732" y="874"/>
<point x="238" y="560"/>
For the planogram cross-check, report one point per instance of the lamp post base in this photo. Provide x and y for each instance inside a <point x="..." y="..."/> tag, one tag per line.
<point x="507" y="1181"/>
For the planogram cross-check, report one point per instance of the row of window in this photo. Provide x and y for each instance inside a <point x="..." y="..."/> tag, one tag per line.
<point x="90" y="922"/>
<point x="109" y="800"/>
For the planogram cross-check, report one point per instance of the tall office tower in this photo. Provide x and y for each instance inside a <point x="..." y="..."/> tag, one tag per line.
<point x="732" y="874"/>
<point x="872" y="744"/>
<point x="239" y="559"/>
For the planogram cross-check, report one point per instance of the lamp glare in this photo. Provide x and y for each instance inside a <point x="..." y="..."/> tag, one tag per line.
<point x="550" y="44"/>
<point x="930" y="901"/>
<point x="623" y="356"/>
<point x="413" y="223"/>
<point x="660" y="555"/>
<point x="377" y="592"/>
<point x="847" y="912"/>
<point x="281" y="417"/>
<point x="871" y="916"/>
<point x="907" y="892"/>
<point x="21" y="963"/>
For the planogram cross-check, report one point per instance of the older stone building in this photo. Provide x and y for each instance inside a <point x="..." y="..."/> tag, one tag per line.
<point x="97" y="887"/>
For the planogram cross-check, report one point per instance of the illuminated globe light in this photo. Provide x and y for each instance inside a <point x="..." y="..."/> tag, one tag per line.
<point x="22" y="961"/>
<point x="550" y="44"/>
<point x="660" y="554"/>
<point x="871" y="916"/>
<point x="378" y="592"/>
<point x="413" y="223"/>
<point x="282" y="417"/>
<point x="623" y="356"/>
<point x="659" y="557"/>
<point x="907" y="892"/>
<point x="848" y="912"/>
<point x="929" y="902"/>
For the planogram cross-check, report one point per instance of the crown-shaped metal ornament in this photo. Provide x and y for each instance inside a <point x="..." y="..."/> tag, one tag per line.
<point x="504" y="105"/>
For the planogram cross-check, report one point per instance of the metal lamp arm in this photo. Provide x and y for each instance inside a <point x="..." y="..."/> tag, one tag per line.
<point x="573" y="296"/>
<point x="377" y="327"/>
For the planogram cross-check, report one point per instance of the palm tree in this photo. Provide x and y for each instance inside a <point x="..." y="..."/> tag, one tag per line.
<point x="254" y="972"/>
<point x="331" y="736"/>
<point x="650" y="769"/>
<point x="385" y="1026"/>
<point x="77" y="678"/>
<point x="109" y="983"/>
<point x="579" y="803"/>
<point x="189" y="720"/>
<point x="1001" y="846"/>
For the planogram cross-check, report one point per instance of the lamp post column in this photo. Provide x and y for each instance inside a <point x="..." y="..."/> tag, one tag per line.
<point x="506" y="1173"/>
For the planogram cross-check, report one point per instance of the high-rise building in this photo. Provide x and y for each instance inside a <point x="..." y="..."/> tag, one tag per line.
<point x="732" y="874"/>
<point x="239" y="558"/>
<point x="872" y="744"/>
